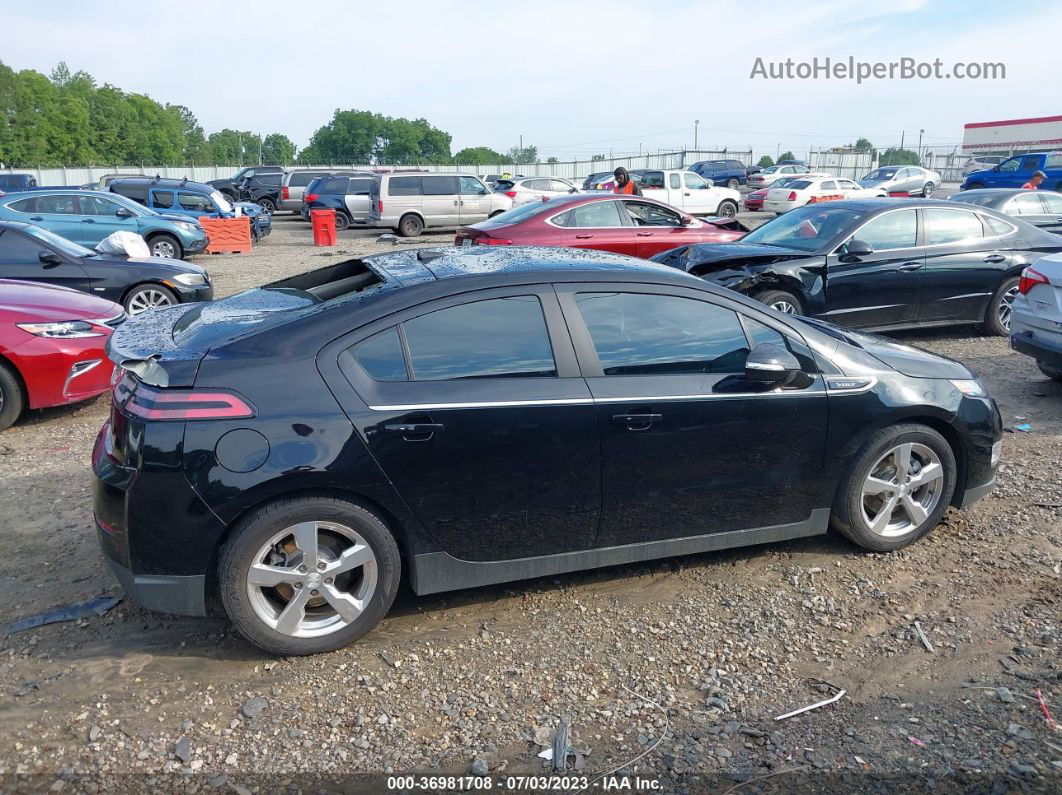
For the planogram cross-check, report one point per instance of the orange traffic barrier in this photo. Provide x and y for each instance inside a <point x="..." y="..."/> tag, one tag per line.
<point x="227" y="235"/>
<point x="324" y="227"/>
<point x="832" y="197"/>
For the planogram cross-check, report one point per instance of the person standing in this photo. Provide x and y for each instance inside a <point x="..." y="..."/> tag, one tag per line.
<point x="624" y="183"/>
<point x="1034" y="181"/>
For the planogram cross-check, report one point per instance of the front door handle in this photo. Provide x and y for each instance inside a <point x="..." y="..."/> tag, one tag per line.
<point x="36" y="218"/>
<point x="994" y="258"/>
<point x="644" y="234"/>
<point x="455" y="202"/>
<point x="583" y="237"/>
<point x="414" y="431"/>
<point x="87" y="221"/>
<point x="636" y="422"/>
<point x="907" y="267"/>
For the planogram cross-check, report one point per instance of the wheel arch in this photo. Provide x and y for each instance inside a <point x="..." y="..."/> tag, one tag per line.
<point x="143" y="282"/>
<point x="154" y="233"/>
<point x="9" y="363"/>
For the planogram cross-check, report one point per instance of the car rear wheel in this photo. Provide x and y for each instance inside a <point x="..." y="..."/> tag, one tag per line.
<point x="342" y="221"/>
<point x="899" y="486"/>
<point x="786" y="303"/>
<point x="308" y="575"/>
<point x="148" y="296"/>
<point x="410" y="226"/>
<point x="732" y="183"/>
<point x="1054" y="373"/>
<point x="163" y="245"/>
<point x="267" y="204"/>
<point x="927" y="190"/>
<point x="1001" y="308"/>
<point x="12" y="397"/>
<point x="727" y="209"/>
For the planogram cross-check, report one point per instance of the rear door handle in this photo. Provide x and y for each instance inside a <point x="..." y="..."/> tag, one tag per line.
<point x="636" y="422"/>
<point x="994" y="258"/>
<point x="644" y="234"/>
<point x="583" y="237"/>
<point x="414" y="431"/>
<point x="907" y="267"/>
<point x="87" y="221"/>
<point x="36" y="218"/>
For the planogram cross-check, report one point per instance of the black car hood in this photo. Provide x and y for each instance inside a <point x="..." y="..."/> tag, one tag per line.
<point x="162" y="266"/>
<point x="701" y="258"/>
<point x="904" y="359"/>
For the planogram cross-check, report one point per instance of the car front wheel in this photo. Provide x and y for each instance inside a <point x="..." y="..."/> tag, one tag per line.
<point x="786" y="303"/>
<point x="165" y="246"/>
<point x="308" y="575"/>
<point x="12" y="397"/>
<point x="897" y="489"/>
<point x="148" y="296"/>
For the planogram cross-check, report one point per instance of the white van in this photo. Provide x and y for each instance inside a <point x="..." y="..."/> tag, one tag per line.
<point x="410" y="203"/>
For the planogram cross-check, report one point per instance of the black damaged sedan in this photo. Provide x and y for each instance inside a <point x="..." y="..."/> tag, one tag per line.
<point x="459" y="417"/>
<point x="879" y="263"/>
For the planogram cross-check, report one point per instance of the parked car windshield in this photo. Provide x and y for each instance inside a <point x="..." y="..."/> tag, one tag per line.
<point x="806" y="228"/>
<point x="983" y="199"/>
<point x="68" y="247"/>
<point x="882" y="173"/>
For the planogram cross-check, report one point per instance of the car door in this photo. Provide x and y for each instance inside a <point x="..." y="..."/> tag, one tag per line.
<point x="59" y="213"/>
<point x="356" y="199"/>
<point x="689" y="447"/>
<point x="100" y="218"/>
<point x="162" y="200"/>
<point x="881" y="288"/>
<point x="965" y="263"/>
<point x="475" y="200"/>
<point x="475" y="409"/>
<point x="560" y="187"/>
<point x="1053" y="203"/>
<point x="441" y="201"/>
<point x="697" y="197"/>
<point x="599" y="225"/>
<point x="657" y="228"/>
<point x="20" y="258"/>
<point x="195" y="205"/>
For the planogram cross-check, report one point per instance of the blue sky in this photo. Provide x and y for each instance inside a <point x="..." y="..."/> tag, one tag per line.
<point x="573" y="78"/>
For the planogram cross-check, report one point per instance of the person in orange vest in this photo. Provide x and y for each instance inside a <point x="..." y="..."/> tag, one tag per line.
<point x="624" y="183"/>
<point x="1034" y="181"/>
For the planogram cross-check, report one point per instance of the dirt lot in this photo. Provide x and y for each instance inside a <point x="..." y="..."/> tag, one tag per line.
<point x="672" y="670"/>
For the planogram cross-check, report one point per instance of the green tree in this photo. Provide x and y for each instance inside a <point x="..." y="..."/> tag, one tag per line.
<point x="277" y="150"/>
<point x="894" y="156"/>
<point x="765" y="162"/>
<point x="479" y="156"/>
<point x="233" y="147"/>
<point x="864" y="145"/>
<point x="359" y="136"/>
<point x="787" y="155"/>
<point x="194" y="151"/>
<point x="552" y="160"/>
<point x="521" y="157"/>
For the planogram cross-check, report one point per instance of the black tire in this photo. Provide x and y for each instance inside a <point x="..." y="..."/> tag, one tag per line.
<point x="148" y="296"/>
<point x="164" y="245"/>
<point x="776" y="299"/>
<point x="849" y="517"/>
<point x="496" y="212"/>
<point x="12" y="396"/>
<point x="267" y="204"/>
<point x="1054" y="373"/>
<point x="975" y="186"/>
<point x="726" y="209"/>
<point x="256" y="530"/>
<point x="410" y="225"/>
<point x="927" y="190"/>
<point x="732" y="183"/>
<point x="998" y="314"/>
<point x="342" y="222"/>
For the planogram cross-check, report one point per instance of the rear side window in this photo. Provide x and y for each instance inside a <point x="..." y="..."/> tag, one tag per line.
<point x="300" y="179"/>
<point x="640" y="334"/>
<point x="1053" y="161"/>
<point x="951" y="226"/>
<point x="595" y="214"/>
<point x="652" y="179"/>
<point x="333" y="185"/>
<point x="998" y="225"/>
<point x="161" y="198"/>
<point x="898" y="229"/>
<point x="359" y="187"/>
<point x="439" y="186"/>
<point x="381" y="356"/>
<point x="674" y="181"/>
<point x="57" y="205"/>
<point x="797" y="184"/>
<point x="496" y="338"/>
<point x="23" y="205"/>
<point x="136" y="192"/>
<point x="404" y="186"/>
<point x="1053" y="202"/>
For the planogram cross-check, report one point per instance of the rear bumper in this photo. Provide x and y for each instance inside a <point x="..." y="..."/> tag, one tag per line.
<point x="182" y="596"/>
<point x="1043" y="346"/>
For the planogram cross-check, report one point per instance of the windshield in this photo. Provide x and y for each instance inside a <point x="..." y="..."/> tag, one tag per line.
<point x="221" y="202"/>
<point x="518" y="214"/>
<point x="882" y="173"/>
<point x="68" y="247"/>
<point x="809" y="228"/>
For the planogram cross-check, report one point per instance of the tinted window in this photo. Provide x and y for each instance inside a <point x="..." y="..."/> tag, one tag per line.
<point x="1053" y="161"/>
<point x="645" y="214"/>
<point x="439" y="186"/>
<point x="735" y="165"/>
<point x="137" y="192"/>
<point x="161" y="198"/>
<point x="59" y="205"/>
<point x="500" y="337"/>
<point x="404" y="186"/>
<point x="636" y="334"/>
<point x="652" y="179"/>
<point x="359" y="187"/>
<point x="16" y="249"/>
<point x="594" y="214"/>
<point x="1030" y="163"/>
<point x="1025" y="204"/>
<point x="381" y="356"/>
<point x="470" y="186"/>
<point x="998" y="225"/>
<point x="333" y="185"/>
<point x="950" y="226"/>
<point x="23" y="205"/>
<point x="300" y="179"/>
<point x="674" y="181"/>
<point x="897" y="229"/>
<point x="269" y="179"/>
<point x="195" y="201"/>
<point x="793" y="182"/>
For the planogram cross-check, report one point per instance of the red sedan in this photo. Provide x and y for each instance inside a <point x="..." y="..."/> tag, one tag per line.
<point x="754" y="200"/>
<point x="631" y="225"/>
<point x="51" y="346"/>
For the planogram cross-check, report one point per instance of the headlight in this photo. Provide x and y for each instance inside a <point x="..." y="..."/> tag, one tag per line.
<point x="64" y="330"/>
<point x="970" y="388"/>
<point x="187" y="227"/>
<point x="190" y="279"/>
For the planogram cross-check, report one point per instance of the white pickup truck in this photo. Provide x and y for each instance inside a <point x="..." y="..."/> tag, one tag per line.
<point x="683" y="189"/>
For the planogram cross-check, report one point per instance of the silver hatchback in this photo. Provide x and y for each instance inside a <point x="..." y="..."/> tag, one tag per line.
<point x="914" y="180"/>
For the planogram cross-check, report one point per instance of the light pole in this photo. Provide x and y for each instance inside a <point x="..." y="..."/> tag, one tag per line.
<point x="696" y="122"/>
<point x="920" y="146"/>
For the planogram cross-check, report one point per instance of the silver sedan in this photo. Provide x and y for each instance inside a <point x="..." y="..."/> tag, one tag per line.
<point x="914" y="180"/>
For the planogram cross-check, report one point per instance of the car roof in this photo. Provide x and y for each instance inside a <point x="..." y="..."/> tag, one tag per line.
<point x="166" y="182"/>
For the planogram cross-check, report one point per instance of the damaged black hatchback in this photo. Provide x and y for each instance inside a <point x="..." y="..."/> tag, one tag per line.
<point x="465" y="416"/>
<point x="879" y="263"/>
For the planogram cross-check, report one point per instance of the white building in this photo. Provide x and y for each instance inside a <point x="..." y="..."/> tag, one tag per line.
<point x="1012" y="135"/>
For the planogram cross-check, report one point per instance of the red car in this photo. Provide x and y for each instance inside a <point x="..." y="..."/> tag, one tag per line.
<point x="754" y="200"/>
<point x="631" y="225"/>
<point x="51" y="346"/>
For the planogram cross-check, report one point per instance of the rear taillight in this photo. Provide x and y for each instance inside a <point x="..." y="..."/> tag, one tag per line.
<point x="511" y="194"/>
<point x="792" y="195"/>
<point x="1029" y="279"/>
<point x="150" y="403"/>
<point x="284" y="192"/>
<point x="311" y="197"/>
<point x="379" y="206"/>
<point x="493" y="241"/>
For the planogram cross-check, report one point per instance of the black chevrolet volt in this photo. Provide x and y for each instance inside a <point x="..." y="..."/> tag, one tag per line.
<point x="460" y="417"/>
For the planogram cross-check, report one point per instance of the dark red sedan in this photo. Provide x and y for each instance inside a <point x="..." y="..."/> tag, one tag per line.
<point x="631" y="225"/>
<point x="51" y="346"/>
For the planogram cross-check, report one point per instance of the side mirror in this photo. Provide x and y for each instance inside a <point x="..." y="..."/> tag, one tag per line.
<point x="687" y="220"/>
<point x="995" y="168"/>
<point x="573" y="190"/>
<point x="49" y="258"/>
<point x="710" y="183"/>
<point x="772" y="364"/>
<point x="856" y="249"/>
<point x="124" y="212"/>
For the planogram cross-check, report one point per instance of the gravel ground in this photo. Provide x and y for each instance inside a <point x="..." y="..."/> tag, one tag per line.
<point x="672" y="671"/>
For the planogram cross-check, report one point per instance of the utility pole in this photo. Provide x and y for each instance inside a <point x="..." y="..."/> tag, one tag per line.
<point x="696" y="123"/>
<point x="920" y="146"/>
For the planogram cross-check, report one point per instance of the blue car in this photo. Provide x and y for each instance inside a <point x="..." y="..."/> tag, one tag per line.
<point x="86" y="217"/>
<point x="348" y="195"/>
<point x="1016" y="171"/>
<point x="11" y="183"/>
<point x="190" y="199"/>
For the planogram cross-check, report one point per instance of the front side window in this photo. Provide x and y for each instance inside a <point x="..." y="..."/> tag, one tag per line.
<point x="195" y="201"/>
<point x="381" y="356"/>
<point x="951" y="226"/>
<point x="594" y="215"/>
<point x="470" y="186"/>
<point x="1010" y="165"/>
<point x="645" y="214"/>
<point x="640" y="334"/>
<point x="495" y="338"/>
<point x="439" y="186"/>
<point x="694" y="181"/>
<point x="559" y="186"/>
<point x="897" y="229"/>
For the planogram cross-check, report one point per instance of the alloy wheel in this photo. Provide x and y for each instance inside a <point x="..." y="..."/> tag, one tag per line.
<point x="901" y="490"/>
<point x="1006" y="307"/>
<point x="927" y="191"/>
<point x="784" y="307"/>
<point x="146" y="299"/>
<point x="312" y="579"/>
<point x="163" y="248"/>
